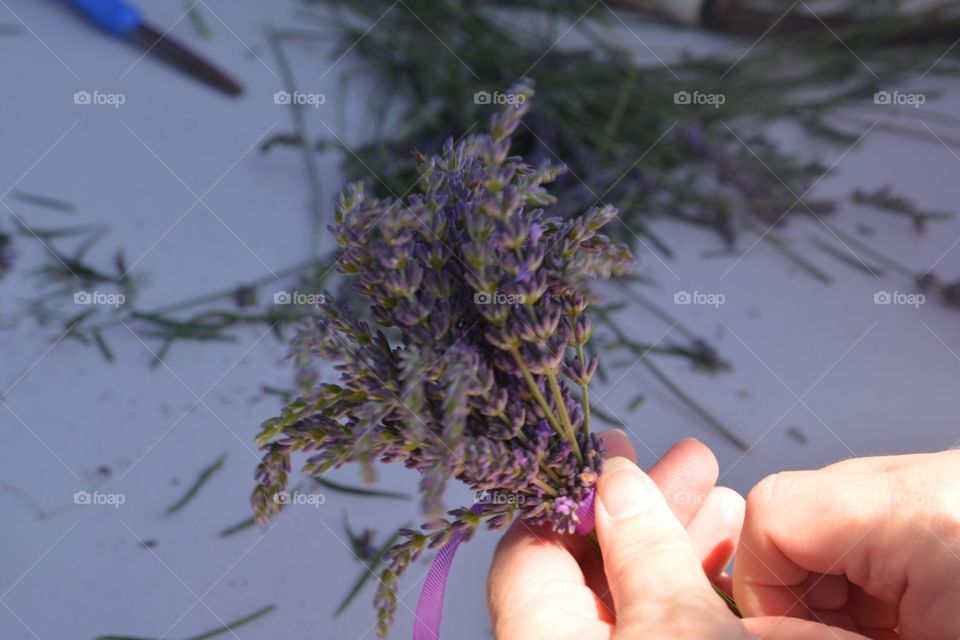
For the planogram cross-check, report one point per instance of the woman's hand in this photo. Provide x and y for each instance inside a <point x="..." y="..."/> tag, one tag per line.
<point x="871" y="545"/>
<point x="661" y="536"/>
<point x="665" y="536"/>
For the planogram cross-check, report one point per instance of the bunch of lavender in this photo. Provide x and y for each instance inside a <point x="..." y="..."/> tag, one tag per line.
<point x="479" y="370"/>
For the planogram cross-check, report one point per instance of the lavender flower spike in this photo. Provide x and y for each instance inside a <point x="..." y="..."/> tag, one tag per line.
<point x="471" y="363"/>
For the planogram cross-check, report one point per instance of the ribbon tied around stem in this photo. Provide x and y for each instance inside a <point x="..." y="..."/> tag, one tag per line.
<point x="426" y="623"/>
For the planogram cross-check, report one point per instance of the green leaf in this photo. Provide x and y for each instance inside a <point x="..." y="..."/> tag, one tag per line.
<point x="195" y="488"/>
<point x="230" y="626"/>
<point x="361" y="491"/>
<point x="227" y="628"/>
<point x="102" y="345"/>
<point x="237" y="528"/>
<point x="694" y="406"/>
<point x="44" y="201"/>
<point x="847" y="257"/>
<point x="197" y="19"/>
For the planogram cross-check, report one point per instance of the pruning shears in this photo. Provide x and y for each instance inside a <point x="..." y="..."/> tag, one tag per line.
<point x="125" y="21"/>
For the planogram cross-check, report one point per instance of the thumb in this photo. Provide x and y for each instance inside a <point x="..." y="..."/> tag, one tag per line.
<point x="653" y="571"/>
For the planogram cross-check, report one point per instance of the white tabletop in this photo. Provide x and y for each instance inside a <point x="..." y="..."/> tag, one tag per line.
<point x="175" y="173"/>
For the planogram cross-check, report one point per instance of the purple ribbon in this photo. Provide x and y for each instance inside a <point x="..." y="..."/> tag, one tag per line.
<point x="585" y="520"/>
<point x="426" y="623"/>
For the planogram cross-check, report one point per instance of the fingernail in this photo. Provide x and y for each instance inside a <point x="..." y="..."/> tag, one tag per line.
<point x="623" y="490"/>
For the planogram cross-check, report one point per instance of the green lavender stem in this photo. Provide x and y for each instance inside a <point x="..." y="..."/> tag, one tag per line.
<point x="300" y="126"/>
<point x="370" y="569"/>
<point x="44" y="201"/>
<point x="781" y="245"/>
<point x="227" y="628"/>
<point x="886" y="261"/>
<point x="213" y="296"/>
<point x="196" y="19"/>
<point x="564" y="416"/>
<point x="361" y="491"/>
<point x="584" y="391"/>
<point x="535" y="390"/>
<point x="194" y="489"/>
<point x="694" y="406"/>
<point x="230" y="626"/>
<point x="654" y="308"/>
<point x="845" y="257"/>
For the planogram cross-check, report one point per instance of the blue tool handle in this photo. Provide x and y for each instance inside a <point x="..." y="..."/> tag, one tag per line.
<point x="115" y="16"/>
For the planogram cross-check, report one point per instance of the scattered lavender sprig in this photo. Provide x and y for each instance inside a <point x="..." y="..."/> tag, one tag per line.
<point x="6" y="254"/>
<point x="479" y="370"/>
<point x="885" y="199"/>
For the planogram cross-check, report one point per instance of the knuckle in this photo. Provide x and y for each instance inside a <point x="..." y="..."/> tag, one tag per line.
<point x="656" y="617"/>
<point x="644" y="558"/>
<point x="652" y="550"/>
<point x="944" y="522"/>
<point x="766" y="494"/>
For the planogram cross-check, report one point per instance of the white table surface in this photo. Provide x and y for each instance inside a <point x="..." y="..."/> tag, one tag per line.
<point x="854" y="377"/>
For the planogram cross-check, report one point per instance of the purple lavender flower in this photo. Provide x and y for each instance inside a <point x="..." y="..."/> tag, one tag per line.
<point x="472" y="363"/>
<point x="565" y="506"/>
<point x="693" y="135"/>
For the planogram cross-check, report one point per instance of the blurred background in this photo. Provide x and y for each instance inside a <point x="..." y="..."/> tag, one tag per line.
<point x="786" y="173"/>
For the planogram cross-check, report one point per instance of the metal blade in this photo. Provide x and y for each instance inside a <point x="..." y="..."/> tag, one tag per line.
<point x="175" y="54"/>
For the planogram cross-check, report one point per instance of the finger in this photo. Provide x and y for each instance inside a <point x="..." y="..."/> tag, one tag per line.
<point x="715" y="530"/>
<point x="870" y="612"/>
<point x="535" y="576"/>
<point x="830" y="593"/>
<point x="860" y="610"/>
<point x="618" y="444"/>
<point x="771" y="628"/>
<point x="686" y="474"/>
<point x="879" y="464"/>
<point x="800" y="523"/>
<point x="528" y="555"/>
<point x="652" y="569"/>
